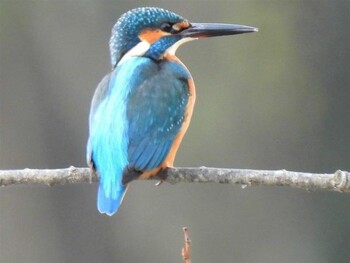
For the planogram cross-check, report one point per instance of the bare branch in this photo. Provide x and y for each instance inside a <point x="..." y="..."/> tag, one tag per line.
<point x="71" y="175"/>
<point x="338" y="181"/>
<point x="186" y="250"/>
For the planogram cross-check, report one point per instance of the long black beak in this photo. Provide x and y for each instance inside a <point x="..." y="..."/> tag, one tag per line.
<point x="201" y="30"/>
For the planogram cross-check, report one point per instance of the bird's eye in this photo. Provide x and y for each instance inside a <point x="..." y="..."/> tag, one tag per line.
<point x="166" y="27"/>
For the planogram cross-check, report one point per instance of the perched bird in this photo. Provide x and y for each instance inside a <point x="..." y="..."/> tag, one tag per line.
<point x="141" y="110"/>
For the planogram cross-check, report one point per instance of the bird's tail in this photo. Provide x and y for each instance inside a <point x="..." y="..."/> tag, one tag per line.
<point x="109" y="204"/>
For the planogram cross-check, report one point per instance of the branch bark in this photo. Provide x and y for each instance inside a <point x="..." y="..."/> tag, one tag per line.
<point x="338" y="181"/>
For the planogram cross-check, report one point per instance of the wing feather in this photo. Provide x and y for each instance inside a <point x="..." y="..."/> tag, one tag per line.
<point x="136" y="113"/>
<point x="155" y="114"/>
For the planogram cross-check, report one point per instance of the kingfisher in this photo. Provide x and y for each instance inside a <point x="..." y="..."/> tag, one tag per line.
<point x="141" y="110"/>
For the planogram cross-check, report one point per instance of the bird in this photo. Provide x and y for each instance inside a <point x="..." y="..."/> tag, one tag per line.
<point x="141" y="110"/>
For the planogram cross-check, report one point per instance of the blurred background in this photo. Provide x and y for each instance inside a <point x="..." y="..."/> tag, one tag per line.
<point x="279" y="98"/>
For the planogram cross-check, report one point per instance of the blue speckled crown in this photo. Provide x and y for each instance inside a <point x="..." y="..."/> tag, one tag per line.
<point x="125" y="32"/>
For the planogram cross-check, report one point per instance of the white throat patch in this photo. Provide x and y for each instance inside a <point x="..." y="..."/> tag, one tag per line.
<point x="172" y="50"/>
<point x="141" y="48"/>
<point x="137" y="51"/>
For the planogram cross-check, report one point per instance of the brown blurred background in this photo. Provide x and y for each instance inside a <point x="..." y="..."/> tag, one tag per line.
<point x="275" y="99"/>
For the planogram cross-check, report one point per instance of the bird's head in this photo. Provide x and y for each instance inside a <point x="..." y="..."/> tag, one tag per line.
<point x="155" y="32"/>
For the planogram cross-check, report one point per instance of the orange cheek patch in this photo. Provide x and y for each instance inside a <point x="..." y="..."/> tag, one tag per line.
<point x="181" y="25"/>
<point x="151" y="35"/>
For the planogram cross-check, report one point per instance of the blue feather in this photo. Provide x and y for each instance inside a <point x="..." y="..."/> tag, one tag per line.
<point x="109" y="205"/>
<point x="108" y="139"/>
<point x="136" y="113"/>
<point x="155" y="113"/>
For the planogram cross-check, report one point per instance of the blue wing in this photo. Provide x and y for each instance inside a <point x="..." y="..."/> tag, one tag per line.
<point x="155" y="114"/>
<point x="136" y="112"/>
<point x="108" y="138"/>
<point x="107" y="146"/>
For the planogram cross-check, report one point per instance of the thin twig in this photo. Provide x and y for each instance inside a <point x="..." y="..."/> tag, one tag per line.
<point x="338" y="181"/>
<point x="186" y="250"/>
